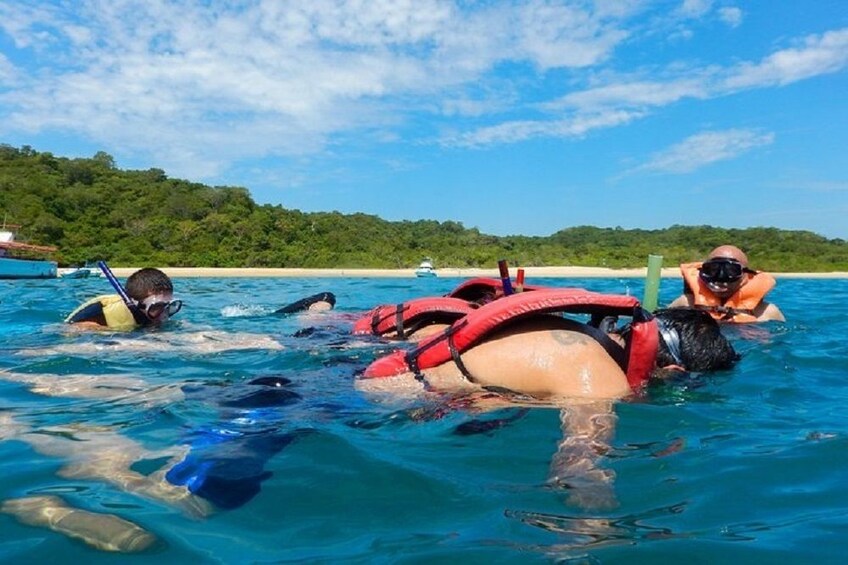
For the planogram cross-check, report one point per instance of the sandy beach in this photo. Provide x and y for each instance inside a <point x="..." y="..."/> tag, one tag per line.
<point x="530" y="273"/>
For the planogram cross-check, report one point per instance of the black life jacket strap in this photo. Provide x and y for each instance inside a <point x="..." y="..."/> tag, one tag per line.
<point x="377" y="319"/>
<point x="727" y="312"/>
<point x="457" y="358"/>
<point x="399" y="321"/>
<point x="412" y="356"/>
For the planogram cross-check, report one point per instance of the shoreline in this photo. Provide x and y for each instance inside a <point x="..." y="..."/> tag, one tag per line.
<point x="529" y="272"/>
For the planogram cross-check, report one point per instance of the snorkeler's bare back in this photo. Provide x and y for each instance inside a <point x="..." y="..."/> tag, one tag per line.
<point x="538" y="358"/>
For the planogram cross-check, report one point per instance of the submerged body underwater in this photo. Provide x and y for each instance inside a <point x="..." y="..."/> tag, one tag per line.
<point x="257" y="415"/>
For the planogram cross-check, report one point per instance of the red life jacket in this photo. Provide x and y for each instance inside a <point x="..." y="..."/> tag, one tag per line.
<point x="639" y="354"/>
<point x="407" y="317"/>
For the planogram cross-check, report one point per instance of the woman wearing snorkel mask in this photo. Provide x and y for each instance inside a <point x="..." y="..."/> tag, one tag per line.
<point x="724" y="286"/>
<point x="151" y="303"/>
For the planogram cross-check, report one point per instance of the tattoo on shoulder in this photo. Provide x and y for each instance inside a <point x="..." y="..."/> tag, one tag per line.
<point x="565" y="337"/>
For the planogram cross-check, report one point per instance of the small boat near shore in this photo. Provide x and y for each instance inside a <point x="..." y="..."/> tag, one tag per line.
<point x="426" y="269"/>
<point x="75" y="273"/>
<point x="21" y="260"/>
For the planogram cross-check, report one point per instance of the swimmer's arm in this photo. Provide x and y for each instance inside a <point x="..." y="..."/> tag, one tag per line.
<point x="587" y="431"/>
<point x="682" y="301"/>
<point x="88" y="326"/>
<point x="766" y="312"/>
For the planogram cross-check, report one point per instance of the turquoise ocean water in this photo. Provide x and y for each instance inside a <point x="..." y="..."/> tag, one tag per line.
<point x="747" y="466"/>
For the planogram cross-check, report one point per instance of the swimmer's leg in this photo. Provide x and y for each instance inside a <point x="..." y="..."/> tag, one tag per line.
<point x="107" y="456"/>
<point x="101" y="531"/>
<point x="115" y="468"/>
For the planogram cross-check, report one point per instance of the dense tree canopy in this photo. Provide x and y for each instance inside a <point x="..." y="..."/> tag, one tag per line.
<point x="92" y="210"/>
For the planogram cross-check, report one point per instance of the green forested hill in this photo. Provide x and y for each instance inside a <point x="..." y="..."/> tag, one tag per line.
<point x="92" y="210"/>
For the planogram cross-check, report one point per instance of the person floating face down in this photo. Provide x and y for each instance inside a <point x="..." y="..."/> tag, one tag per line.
<point x="152" y="294"/>
<point x="549" y="357"/>
<point x="727" y="289"/>
<point x="524" y="350"/>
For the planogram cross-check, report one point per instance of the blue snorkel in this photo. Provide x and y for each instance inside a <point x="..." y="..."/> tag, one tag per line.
<point x="117" y="286"/>
<point x="140" y="318"/>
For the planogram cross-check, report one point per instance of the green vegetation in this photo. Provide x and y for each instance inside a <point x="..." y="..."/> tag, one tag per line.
<point x="92" y="210"/>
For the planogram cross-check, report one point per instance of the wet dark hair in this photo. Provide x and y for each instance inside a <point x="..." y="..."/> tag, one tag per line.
<point x="702" y="345"/>
<point x="147" y="282"/>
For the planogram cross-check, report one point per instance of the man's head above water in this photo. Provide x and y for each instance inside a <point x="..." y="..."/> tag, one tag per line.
<point x="729" y="252"/>
<point x="147" y="282"/>
<point x="153" y="293"/>
<point x="723" y="271"/>
<point x="724" y="285"/>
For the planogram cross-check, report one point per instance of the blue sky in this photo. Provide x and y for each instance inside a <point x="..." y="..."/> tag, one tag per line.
<point x="511" y="117"/>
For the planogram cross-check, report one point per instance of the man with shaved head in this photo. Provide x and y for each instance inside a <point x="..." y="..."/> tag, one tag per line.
<point x="724" y="286"/>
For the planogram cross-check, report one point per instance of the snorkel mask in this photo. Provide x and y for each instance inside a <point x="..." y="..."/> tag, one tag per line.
<point x="722" y="270"/>
<point x="156" y="310"/>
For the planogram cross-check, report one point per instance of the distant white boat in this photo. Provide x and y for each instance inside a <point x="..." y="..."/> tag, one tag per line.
<point x="16" y="259"/>
<point x="425" y="269"/>
<point x="75" y="273"/>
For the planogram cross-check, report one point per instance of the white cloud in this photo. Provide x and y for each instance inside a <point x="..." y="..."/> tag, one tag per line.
<point x="695" y="8"/>
<point x="554" y="35"/>
<point x="196" y="86"/>
<point x="516" y="131"/>
<point x="20" y="22"/>
<point x="705" y="148"/>
<point x="8" y="72"/>
<point x="215" y="81"/>
<point x="730" y="15"/>
<point x="618" y="8"/>
<point x="635" y="94"/>
<point x="816" y="55"/>
<point x="468" y="106"/>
